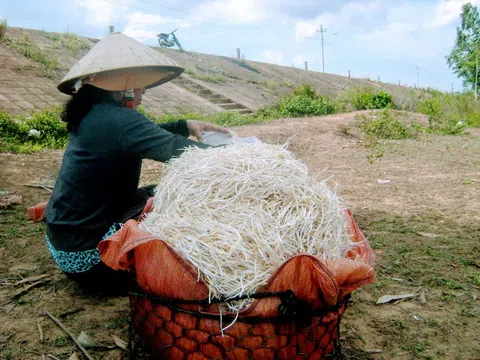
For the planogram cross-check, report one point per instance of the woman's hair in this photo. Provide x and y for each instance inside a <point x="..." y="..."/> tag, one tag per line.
<point x="81" y="103"/>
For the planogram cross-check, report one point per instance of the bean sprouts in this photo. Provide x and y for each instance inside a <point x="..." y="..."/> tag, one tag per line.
<point x="236" y="213"/>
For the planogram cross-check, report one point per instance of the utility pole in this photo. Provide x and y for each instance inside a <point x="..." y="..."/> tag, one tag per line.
<point x="418" y="75"/>
<point x="452" y="88"/>
<point x="321" y="31"/>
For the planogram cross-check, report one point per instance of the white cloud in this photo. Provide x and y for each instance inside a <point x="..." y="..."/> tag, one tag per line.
<point x="100" y="13"/>
<point x="404" y="40"/>
<point x="299" y="61"/>
<point x="342" y="18"/>
<point x="447" y="11"/>
<point x="411" y="30"/>
<point x="274" y="57"/>
<point x="231" y="11"/>
<point x="142" y="26"/>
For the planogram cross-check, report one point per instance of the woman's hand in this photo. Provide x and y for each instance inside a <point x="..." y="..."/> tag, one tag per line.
<point x="196" y="127"/>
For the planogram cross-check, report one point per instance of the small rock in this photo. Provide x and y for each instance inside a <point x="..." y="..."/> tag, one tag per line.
<point x="428" y="235"/>
<point x="23" y="267"/>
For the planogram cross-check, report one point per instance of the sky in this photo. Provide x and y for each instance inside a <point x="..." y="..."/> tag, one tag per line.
<point x="372" y="38"/>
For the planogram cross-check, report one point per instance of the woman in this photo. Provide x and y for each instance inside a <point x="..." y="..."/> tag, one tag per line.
<point x="96" y="190"/>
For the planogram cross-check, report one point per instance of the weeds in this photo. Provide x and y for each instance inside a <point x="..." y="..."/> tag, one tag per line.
<point x="3" y="28"/>
<point x="449" y="114"/>
<point x="243" y="64"/>
<point x="189" y="71"/>
<point x="28" y="49"/>
<point x="73" y="43"/>
<point x="51" y="36"/>
<point x="209" y="78"/>
<point x="385" y="126"/>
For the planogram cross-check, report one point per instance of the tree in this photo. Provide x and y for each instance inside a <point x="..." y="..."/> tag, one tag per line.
<point x="465" y="56"/>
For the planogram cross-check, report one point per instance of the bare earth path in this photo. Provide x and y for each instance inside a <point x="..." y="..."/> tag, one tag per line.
<point x="422" y="223"/>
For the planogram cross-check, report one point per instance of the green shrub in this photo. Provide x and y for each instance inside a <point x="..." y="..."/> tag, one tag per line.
<point x="43" y="129"/>
<point x="449" y="114"/>
<point x="3" y="28"/>
<point x="365" y="98"/>
<point x="385" y="125"/>
<point x="189" y="71"/>
<point x="305" y="102"/>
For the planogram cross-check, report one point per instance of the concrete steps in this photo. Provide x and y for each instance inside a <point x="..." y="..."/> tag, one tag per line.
<point x="225" y="103"/>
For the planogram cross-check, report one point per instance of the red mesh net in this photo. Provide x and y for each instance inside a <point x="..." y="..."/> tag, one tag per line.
<point x="172" y="333"/>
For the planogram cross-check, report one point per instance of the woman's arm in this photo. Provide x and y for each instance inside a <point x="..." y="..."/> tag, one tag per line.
<point x="176" y="127"/>
<point x="191" y="127"/>
<point x="143" y="138"/>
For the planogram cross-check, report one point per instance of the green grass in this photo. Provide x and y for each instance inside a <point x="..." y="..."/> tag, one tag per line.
<point x="41" y="130"/>
<point x="223" y="118"/>
<point x="189" y="71"/>
<point x="209" y="78"/>
<point x="423" y="264"/>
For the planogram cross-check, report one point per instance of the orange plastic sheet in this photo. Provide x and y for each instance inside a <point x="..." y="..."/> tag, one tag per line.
<point x="162" y="272"/>
<point x="37" y="213"/>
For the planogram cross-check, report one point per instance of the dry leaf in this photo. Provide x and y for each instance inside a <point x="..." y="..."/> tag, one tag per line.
<point x="89" y="343"/>
<point x="74" y="357"/>
<point x="387" y="298"/>
<point x="120" y="343"/>
<point x="423" y="299"/>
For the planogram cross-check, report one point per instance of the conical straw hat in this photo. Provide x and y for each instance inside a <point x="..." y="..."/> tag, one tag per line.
<point x="118" y="62"/>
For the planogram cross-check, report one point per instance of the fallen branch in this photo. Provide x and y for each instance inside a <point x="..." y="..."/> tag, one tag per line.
<point x="27" y="289"/>
<point x="40" y="331"/>
<point x="52" y="357"/>
<point x="70" y="312"/>
<point x="32" y="279"/>
<point x="60" y="325"/>
<point x="48" y="188"/>
<point x="374" y="351"/>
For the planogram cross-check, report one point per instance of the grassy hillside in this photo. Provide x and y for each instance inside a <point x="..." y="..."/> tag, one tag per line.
<point x="252" y="84"/>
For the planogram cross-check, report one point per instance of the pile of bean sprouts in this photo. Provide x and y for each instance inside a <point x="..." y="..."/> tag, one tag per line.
<point x="236" y="213"/>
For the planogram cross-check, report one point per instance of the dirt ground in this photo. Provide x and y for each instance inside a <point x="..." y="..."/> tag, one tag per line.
<point x="418" y="203"/>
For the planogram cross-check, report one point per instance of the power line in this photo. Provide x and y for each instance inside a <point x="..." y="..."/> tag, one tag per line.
<point x="192" y="16"/>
